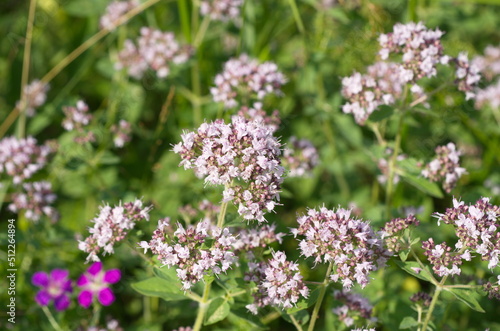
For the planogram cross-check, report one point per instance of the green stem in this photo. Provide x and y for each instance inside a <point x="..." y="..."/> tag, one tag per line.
<point x="415" y="256"/>
<point x="96" y="314"/>
<point x="222" y="214"/>
<point x="317" y="306"/>
<point x="21" y="124"/>
<point x="392" y="166"/>
<point x="51" y="319"/>
<point x="203" y="307"/>
<point x="201" y="31"/>
<point x="435" y="297"/>
<point x="295" y="323"/>
<point x="195" y="70"/>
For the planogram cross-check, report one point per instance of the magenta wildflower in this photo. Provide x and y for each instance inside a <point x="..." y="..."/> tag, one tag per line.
<point x="56" y="287"/>
<point x="95" y="283"/>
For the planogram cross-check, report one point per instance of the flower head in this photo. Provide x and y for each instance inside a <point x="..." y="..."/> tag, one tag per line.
<point x="245" y="77"/>
<point x="445" y="167"/>
<point x="300" y="157"/>
<point x="467" y="75"/>
<point x="35" y="200"/>
<point x="221" y="10"/>
<point x="77" y="118"/>
<point x="111" y="226"/>
<point x="95" y="283"/>
<point x="121" y="133"/>
<point x="350" y="244"/>
<point x="354" y="306"/>
<point x="55" y="286"/>
<point x="35" y="95"/>
<point x="114" y="11"/>
<point x="243" y="156"/>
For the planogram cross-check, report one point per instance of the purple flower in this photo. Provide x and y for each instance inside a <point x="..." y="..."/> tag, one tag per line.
<point x="53" y="287"/>
<point x="95" y="282"/>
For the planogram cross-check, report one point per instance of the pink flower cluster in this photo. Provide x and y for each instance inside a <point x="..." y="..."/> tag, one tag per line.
<point x="111" y="225"/>
<point x="249" y="239"/>
<point x="354" y="306"/>
<point x="300" y="157"/>
<point x="477" y="229"/>
<point x="221" y="10"/>
<point x="445" y="262"/>
<point x="467" y="76"/>
<point x="421" y="49"/>
<point x="392" y="232"/>
<point x="156" y="50"/>
<point x="21" y="158"/>
<point x="445" y="167"/>
<point x="77" y="118"/>
<point x="187" y="249"/>
<point x="256" y="113"/>
<point x="243" y="156"/>
<point x="279" y="283"/>
<point x="244" y="78"/>
<point x="332" y="236"/>
<point x="35" y="95"/>
<point x="114" y="11"/>
<point x="489" y="96"/>
<point x="489" y="64"/>
<point x="35" y="200"/>
<point x="121" y="133"/>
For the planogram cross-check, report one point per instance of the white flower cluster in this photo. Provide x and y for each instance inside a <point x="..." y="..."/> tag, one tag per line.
<point x="221" y="10"/>
<point x="156" y="50"/>
<point x="114" y="11"/>
<point x="21" y="158"/>
<point x="467" y="75"/>
<point x="243" y="156"/>
<point x="445" y="167"/>
<point x="111" y="226"/>
<point x="35" y="95"/>
<point x="245" y="78"/>
<point x="186" y="249"/>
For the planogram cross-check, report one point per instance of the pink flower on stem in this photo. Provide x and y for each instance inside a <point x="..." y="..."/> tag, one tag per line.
<point x="53" y="287"/>
<point x="95" y="283"/>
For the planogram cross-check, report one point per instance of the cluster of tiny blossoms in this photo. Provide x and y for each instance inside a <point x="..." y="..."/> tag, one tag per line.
<point x="245" y="78"/>
<point x="35" y="95"/>
<point x="279" y="283"/>
<point x="488" y="96"/>
<point x="76" y="119"/>
<point x="393" y="231"/>
<point x="35" y="199"/>
<point x="489" y="64"/>
<point x="467" y="76"/>
<point x="332" y="236"/>
<point x="354" y="306"/>
<point x="243" y="156"/>
<point x="114" y="12"/>
<point x="249" y="239"/>
<point x="156" y="50"/>
<point x="111" y="226"/>
<point x="477" y="229"/>
<point x="221" y="10"/>
<point x="300" y="157"/>
<point x="21" y="158"/>
<point x="256" y="113"/>
<point x="421" y="49"/>
<point x="445" y="167"/>
<point x="186" y="250"/>
<point x="121" y="133"/>
<point x="445" y="262"/>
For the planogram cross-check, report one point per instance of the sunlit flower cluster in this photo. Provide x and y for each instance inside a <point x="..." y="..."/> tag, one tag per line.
<point x="279" y="283"/>
<point x="156" y="50"/>
<point x="21" y="158"/>
<point x="221" y="10"/>
<point x="261" y="237"/>
<point x="186" y="250"/>
<point x="114" y="11"/>
<point x="111" y="225"/>
<point x="300" y="157"/>
<point x="445" y="167"/>
<point x="256" y="113"/>
<point x="243" y="156"/>
<point x="244" y="78"/>
<point x="350" y="244"/>
<point x="77" y="118"/>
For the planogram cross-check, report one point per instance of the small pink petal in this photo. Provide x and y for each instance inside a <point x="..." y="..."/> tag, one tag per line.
<point x="82" y="281"/>
<point x="40" y="278"/>
<point x="112" y="276"/>
<point x="85" y="299"/>
<point x="42" y="298"/>
<point x="106" y="297"/>
<point x="95" y="268"/>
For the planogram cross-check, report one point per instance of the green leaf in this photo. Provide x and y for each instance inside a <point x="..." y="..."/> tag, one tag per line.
<point x="166" y="273"/>
<point x="403" y="255"/>
<point x="423" y="185"/>
<point x="408" y="322"/>
<point x="159" y="287"/>
<point x="108" y="158"/>
<point x="409" y="266"/>
<point x="381" y="113"/>
<point x="244" y="314"/>
<point x="218" y="310"/>
<point x="467" y="297"/>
